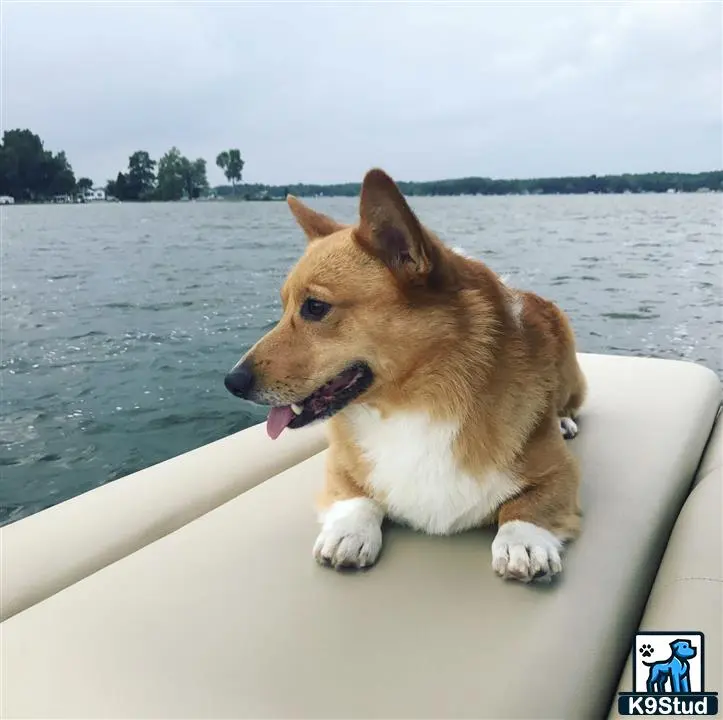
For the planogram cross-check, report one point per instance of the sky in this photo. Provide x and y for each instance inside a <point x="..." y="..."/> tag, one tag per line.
<point x="321" y="92"/>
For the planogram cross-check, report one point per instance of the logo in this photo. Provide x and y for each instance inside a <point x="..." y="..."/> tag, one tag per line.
<point x="668" y="676"/>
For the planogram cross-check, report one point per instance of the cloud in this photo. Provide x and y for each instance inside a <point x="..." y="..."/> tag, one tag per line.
<point x="320" y="92"/>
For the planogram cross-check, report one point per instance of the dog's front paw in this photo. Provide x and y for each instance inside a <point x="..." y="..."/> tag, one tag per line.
<point x="523" y="551"/>
<point x="351" y="536"/>
<point x="352" y="550"/>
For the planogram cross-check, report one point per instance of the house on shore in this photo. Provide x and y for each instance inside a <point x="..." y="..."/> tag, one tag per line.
<point x="95" y="194"/>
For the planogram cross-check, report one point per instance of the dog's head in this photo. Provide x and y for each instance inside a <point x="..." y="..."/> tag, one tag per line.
<point x="358" y="311"/>
<point x="683" y="649"/>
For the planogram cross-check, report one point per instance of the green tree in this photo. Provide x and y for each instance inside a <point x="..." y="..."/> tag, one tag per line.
<point x="178" y="176"/>
<point x="141" y="179"/>
<point x="195" y="180"/>
<point x="232" y="164"/>
<point x="9" y="171"/>
<point x="172" y="171"/>
<point x="23" y="156"/>
<point x="84" y="184"/>
<point x="59" y="174"/>
<point x="30" y="172"/>
<point x="117" y="188"/>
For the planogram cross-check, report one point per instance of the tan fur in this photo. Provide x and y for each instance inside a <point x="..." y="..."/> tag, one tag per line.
<point x="441" y="336"/>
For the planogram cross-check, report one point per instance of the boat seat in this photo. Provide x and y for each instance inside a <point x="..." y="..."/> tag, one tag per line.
<point x="229" y="616"/>
<point x="688" y="589"/>
<point x="55" y="548"/>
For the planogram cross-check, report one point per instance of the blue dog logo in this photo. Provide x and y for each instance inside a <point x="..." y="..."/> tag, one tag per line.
<point x="675" y="686"/>
<point x="671" y="675"/>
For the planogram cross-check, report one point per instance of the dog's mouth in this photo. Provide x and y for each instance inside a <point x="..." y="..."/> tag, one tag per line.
<point x="325" y="401"/>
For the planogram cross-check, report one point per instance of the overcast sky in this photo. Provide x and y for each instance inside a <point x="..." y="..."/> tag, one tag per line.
<point x="321" y="92"/>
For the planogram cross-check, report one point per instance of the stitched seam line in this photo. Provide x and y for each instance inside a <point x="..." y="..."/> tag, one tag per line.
<point x="699" y="579"/>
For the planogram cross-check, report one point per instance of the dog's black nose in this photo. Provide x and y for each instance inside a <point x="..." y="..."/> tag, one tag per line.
<point x="240" y="380"/>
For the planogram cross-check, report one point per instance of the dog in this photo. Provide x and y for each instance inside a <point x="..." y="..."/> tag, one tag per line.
<point x="446" y="393"/>
<point x="675" y="669"/>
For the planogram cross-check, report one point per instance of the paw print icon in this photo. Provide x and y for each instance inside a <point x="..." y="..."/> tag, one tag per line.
<point x="646" y="650"/>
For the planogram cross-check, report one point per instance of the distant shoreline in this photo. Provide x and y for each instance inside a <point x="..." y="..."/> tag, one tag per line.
<point x="242" y="199"/>
<point x="626" y="184"/>
<point x="658" y="182"/>
<point x="29" y="173"/>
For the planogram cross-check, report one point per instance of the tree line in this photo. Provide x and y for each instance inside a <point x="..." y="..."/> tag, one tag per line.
<point x="173" y="177"/>
<point x="656" y="182"/>
<point x="30" y="173"/>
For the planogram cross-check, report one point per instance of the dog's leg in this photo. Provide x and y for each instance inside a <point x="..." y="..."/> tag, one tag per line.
<point x="568" y="415"/>
<point x="650" y="684"/>
<point x="573" y="389"/>
<point x="534" y="525"/>
<point x="675" y="678"/>
<point x="351" y="522"/>
<point x="351" y="533"/>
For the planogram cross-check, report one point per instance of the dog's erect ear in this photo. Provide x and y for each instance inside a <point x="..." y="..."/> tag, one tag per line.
<point x="390" y="230"/>
<point x="314" y="224"/>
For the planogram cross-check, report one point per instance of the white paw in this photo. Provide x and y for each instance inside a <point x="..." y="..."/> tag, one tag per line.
<point x="526" y="552"/>
<point x="568" y="428"/>
<point x="351" y="535"/>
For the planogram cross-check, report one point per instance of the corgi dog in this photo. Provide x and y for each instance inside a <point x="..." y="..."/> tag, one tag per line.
<point x="447" y="395"/>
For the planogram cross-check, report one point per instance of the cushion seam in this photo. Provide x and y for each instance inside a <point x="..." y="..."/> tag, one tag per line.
<point x="693" y="578"/>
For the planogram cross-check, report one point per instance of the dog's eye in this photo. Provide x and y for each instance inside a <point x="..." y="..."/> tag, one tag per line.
<point x="314" y="309"/>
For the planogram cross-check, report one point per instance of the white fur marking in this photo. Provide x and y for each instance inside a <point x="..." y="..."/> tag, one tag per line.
<point x="568" y="428"/>
<point x="517" y="306"/>
<point x="351" y="534"/>
<point x="415" y="476"/>
<point x="524" y="551"/>
<point x="462" y="252"/>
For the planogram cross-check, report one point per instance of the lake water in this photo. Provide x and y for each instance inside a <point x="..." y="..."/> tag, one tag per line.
<point x="120" y="321"/>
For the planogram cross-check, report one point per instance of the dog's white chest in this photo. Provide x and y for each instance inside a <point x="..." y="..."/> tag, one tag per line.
<point x="415" y="475"/>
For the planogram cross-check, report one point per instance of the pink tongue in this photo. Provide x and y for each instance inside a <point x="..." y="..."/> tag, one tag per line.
<point x="279" y="418"/>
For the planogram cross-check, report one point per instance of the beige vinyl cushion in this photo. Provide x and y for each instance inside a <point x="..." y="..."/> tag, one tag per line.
<point x="688" y="590"/>
<point x="712" y="462"/>
<point x="230" y="617"/>
<point x="46" y="552"/>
